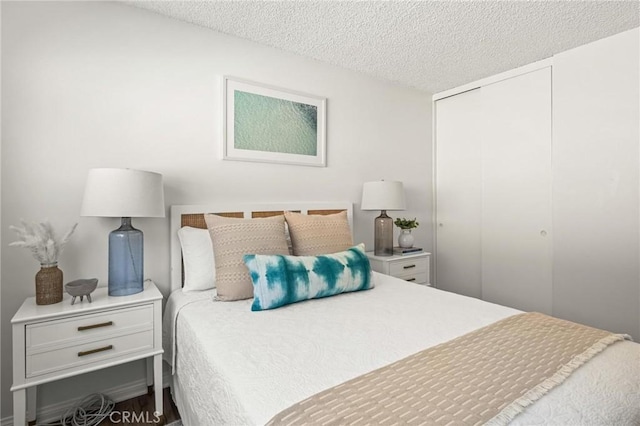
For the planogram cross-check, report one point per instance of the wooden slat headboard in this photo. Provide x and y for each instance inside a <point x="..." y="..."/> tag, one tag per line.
<point x="196" y="220"/>
<point x="193" y="215"/>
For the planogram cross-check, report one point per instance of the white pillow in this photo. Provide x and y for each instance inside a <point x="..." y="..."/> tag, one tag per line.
<point x="197" y="258"/>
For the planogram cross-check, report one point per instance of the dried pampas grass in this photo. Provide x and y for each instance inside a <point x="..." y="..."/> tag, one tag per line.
<point x="41" y="240"/>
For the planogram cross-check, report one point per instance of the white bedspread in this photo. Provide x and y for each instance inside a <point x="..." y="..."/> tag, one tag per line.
<point x="238" y="367"/>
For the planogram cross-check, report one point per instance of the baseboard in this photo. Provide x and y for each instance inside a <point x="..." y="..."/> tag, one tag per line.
<point x="53" y="412"/>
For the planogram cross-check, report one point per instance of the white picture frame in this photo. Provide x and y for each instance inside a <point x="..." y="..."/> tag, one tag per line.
<point x="270" y="124"/>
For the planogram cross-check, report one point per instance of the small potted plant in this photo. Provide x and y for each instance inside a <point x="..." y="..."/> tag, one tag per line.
<point x="405" y="239"/>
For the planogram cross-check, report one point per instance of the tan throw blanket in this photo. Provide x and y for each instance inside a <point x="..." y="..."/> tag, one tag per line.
<point x="487" y="376"/>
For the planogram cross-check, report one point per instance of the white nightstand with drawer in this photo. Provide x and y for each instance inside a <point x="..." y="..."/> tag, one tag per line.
<point x="51" y="342"/>
<point x="410" y="267"/>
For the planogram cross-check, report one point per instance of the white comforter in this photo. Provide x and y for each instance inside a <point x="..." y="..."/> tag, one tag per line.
<point x="238" y="367"/>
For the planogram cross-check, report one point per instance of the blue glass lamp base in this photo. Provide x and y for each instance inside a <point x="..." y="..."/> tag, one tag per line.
<point x="126" y="254"/>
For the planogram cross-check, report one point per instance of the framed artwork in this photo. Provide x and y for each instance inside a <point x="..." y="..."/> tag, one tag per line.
<point x="269" y="124"/>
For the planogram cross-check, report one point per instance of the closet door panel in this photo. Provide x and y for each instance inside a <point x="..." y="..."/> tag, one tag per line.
<point x="596" y="133"/>
<point x="458" y="193"/>
<point x="516" y="188"/>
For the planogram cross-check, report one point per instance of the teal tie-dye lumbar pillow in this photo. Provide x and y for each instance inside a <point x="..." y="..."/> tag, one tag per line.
<point x="279" y="280"/>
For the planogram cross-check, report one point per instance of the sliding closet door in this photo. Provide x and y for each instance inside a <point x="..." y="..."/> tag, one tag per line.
<point x="516" y="192"/>
<point x="458" y="193"/>
<point x="596" y="132"/>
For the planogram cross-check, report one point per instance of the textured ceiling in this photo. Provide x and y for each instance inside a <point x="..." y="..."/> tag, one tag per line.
<point x="430" y="45"/>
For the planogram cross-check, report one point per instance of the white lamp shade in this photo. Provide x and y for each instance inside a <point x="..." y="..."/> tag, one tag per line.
<point x="383" y="195"/>
<point x="123" y="193"/>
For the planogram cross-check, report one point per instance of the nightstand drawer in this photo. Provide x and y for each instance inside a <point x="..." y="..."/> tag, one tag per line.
<point x="418" y="278"/>
<point x="87" y="328"/>
<point x="413" y="266"/>
<point x="86" y="353"/>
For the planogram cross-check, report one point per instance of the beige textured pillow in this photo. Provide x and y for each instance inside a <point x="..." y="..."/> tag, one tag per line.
<point x="233" y="238"/>
<point x="312" y="235"/>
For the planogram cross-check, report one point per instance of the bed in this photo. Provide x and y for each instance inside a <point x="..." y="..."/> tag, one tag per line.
<point x="234" y="366"/>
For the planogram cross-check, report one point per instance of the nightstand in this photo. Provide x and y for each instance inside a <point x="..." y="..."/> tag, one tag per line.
<point x="410" y="267"/>
<point x="51" y="342"/>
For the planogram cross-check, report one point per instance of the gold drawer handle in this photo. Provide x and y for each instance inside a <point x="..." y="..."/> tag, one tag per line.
<point x="93" y="351"/>
<point x="410" y="279"/>
<point x="89" y="327"/>
<point x="409" y="266"/>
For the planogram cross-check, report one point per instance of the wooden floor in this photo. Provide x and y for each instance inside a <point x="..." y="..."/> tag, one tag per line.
<point x="139" y="411"/>
<point x="143" y="407"/>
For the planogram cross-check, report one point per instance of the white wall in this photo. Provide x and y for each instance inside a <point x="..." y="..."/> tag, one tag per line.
<point x="88" y="84"/>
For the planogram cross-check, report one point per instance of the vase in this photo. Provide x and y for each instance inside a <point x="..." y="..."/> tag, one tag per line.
<point x="405" y="239"/>
<point x="48" y="284"/>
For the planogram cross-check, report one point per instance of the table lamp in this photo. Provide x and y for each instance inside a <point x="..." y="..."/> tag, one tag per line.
<point x="124" y="193"/>
<point x="383" y="195"/>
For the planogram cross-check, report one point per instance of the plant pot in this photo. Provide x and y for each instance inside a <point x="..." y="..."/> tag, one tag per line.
<point x="48" y="284"/>
<point x="405" y="239"/>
